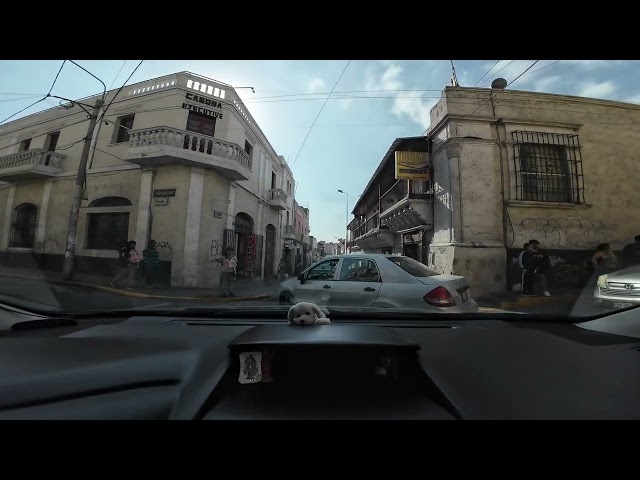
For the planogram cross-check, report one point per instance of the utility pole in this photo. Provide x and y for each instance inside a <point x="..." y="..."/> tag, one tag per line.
<point x="72" y="230"/>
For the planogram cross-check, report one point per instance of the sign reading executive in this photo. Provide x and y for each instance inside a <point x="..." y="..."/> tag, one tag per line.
<point x="412" y="166"/>
<point x="206" y="101"/>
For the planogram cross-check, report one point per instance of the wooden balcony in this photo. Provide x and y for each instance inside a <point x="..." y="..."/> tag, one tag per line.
<point x="406" y="205"/>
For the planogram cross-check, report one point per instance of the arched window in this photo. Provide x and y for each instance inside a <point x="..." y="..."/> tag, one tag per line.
<point x="108" y="230"/>
<point x="110" y="202"/>
<point x="243" y="223"/>
<point x="23" y="231"/>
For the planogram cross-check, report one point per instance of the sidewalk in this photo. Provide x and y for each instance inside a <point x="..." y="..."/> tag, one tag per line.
<point x="245" y="290"/>
<point x="513" y="301"/>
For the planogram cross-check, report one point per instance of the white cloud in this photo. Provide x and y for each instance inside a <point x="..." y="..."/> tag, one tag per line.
<point x="344" y="104"/>
<point x="414" y="108"/>
<point x="316" y="85"/>
<point x="593" y="64"/>
<point x="633" y="99"/>
<point x="546" y="84"/>
<point x="597" y="90"/>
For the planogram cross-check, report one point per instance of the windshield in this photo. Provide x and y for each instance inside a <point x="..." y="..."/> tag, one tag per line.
<point x="440" y="186"/>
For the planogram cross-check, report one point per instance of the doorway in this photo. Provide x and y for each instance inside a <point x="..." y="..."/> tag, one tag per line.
<point x="270" y="251"/>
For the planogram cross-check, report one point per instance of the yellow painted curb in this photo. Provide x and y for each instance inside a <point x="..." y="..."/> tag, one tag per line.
<point x="129" y="293"/>
<point x="533" y="301"/>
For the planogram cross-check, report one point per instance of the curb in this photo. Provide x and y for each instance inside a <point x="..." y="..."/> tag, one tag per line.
<point x="534" y="301"/>
<point x="129" y="293"/>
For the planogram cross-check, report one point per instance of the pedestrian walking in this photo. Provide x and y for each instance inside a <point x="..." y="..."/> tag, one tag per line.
<point x="229" y="263"/>
<point x="151" y="264"/>
<point x="128" y="261"/>
<point x="536" y="262"/>
<point x="631" y="253"/>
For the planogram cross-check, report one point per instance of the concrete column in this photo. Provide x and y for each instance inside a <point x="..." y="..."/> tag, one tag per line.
<point x="232" y="205"/>
<point x="144" y="209"/>
<point x="260" y="230"/>
<point x="42" y="216"/>
<point x="8" y="215"/>
<point x="452" y="150"/>
<point x="192" y="228"/>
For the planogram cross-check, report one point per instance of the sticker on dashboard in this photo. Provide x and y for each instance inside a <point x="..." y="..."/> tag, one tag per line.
<point x="250" y="367"/>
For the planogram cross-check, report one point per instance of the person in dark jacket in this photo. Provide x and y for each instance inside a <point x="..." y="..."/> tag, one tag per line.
<point x="128" y="260"/>
<point x="631" y="253"/>
<point x="536" y="263"/>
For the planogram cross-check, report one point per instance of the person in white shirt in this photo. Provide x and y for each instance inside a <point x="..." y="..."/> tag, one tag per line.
<point x="229" y="264"/>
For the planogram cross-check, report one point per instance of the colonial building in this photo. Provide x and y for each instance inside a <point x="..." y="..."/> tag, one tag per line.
<point x="177" y="159"/>
<point x="506" y="167"/>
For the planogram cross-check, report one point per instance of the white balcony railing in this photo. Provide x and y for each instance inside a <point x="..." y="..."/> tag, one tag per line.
<point x="173" y="137"/>
<point x="32" y="158"/>
<point x="278" y="194"/>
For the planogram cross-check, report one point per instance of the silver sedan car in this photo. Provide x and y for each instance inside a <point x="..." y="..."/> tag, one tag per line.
<point x="619" y="289"/>
<point x="378" y="280"/>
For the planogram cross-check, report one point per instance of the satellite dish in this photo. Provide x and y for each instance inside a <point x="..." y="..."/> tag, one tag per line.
<point x="499" y="83"/>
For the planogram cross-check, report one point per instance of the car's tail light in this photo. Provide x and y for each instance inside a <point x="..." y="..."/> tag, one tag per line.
<point x="440" y="297"/>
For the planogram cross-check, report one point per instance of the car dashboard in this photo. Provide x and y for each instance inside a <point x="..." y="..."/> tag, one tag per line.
<point x="173" y="368"/>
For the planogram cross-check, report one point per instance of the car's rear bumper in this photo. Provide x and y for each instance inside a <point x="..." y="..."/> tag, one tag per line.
<point x="470" y="306"/>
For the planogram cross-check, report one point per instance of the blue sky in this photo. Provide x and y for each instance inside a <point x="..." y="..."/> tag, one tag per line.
<point x="384" y="100"/>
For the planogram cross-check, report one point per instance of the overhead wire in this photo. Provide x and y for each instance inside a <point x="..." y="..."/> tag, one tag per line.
<point x="25" y="108"/>
<point x="118" y="74"/>
<point x="486" y="73"/>
<point x="317" y="116"/>
<point x="56" y="79"/>
<point x="491" y="97"/>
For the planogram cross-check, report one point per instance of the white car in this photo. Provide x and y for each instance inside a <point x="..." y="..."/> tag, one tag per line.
<point x="378" y="280"/>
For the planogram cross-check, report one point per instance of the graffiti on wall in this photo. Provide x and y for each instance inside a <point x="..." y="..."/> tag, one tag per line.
<point x="215" y="251"/>
<point x="216" y="248"/>
<point x="163" y="244"/>
<point x="561" y="232"/>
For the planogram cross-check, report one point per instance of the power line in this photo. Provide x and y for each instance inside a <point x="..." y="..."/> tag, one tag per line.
<point x="497" y="93"/>
<point x="486" y="73"/>
<point x="37" y="101"/>
<point x="24" y="94"/>
<point x="118" y="74"/>
<point x="16" y="99"/>
<point x="350" y="91"/>
<point x="25" y="108"/>
<point x="119" y="90"/>
<point x="548" y="65"/>
<point x="321" y="108"/>
<point x="56" y="79"/>
<point x="504" y="67"/>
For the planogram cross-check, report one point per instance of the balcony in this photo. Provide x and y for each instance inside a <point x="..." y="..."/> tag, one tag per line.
<point x="369" y="236"/>
<point x="407" y="205"/>
<point x="168" y="146"/>
<point x="289" y="232"/>
<point x="30" y="165"/>
<point x="278" y="199"/>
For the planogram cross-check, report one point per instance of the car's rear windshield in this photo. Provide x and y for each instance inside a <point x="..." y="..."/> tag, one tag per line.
<point x="413" y="267"/>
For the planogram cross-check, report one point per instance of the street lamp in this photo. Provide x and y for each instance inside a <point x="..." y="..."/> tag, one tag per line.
<point x="347" y="221"/>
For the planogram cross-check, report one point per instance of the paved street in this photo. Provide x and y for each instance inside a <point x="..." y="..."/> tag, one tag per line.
<point x="100" y="296"/>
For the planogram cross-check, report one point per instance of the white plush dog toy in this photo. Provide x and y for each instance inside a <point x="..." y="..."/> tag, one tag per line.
<point x="304" y="313"/>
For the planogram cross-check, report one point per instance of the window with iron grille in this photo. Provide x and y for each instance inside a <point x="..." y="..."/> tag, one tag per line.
<point x="107" y="231"/>
<point x="548" y="167"/>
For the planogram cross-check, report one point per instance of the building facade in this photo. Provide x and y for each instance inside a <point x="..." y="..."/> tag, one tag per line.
<point x="177" y="159"/>
<point x="507" y="168"/>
